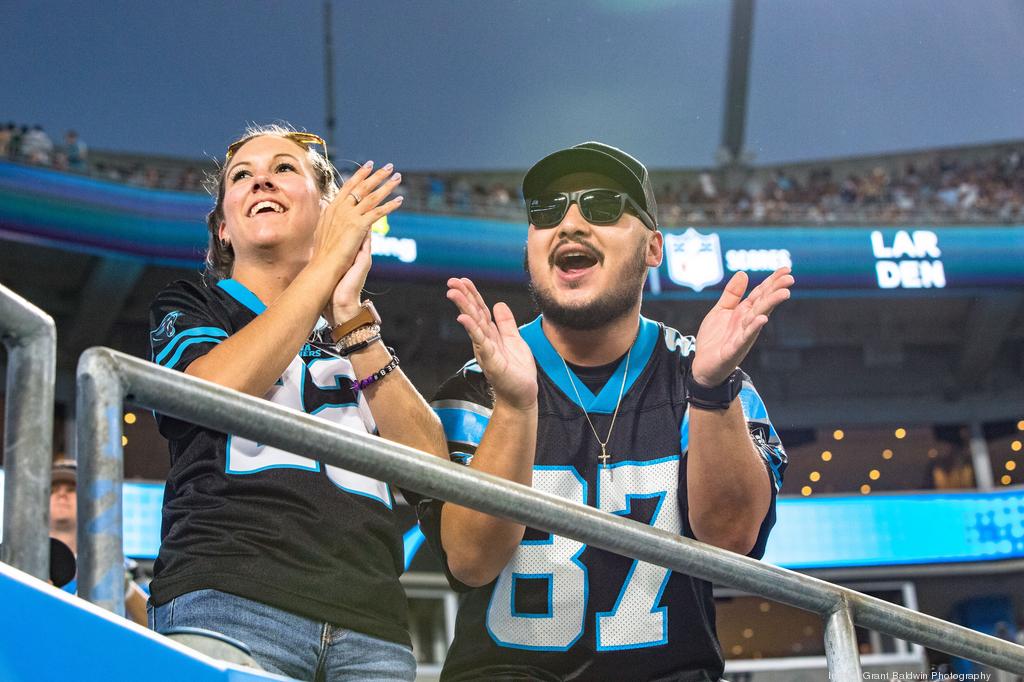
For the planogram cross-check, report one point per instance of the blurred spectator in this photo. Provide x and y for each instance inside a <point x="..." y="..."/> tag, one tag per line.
<point x="6" y="133"/>
<point x="438" y="190"/>
<point x="189" y="180"/>
<point x="954" y="470"/>
<point x="75" y="152"/>
<point x="36" y="146"/>
<point x="17" y="135"/>
<point x="64" y="527"/>
<point x="151" y="178"/>
<point x="64" y="503"/>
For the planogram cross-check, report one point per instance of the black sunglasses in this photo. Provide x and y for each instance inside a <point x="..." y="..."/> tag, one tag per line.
<point x="597" y="206"/>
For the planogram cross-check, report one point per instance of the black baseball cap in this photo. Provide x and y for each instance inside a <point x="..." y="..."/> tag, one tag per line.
<point x="595" y="157"/>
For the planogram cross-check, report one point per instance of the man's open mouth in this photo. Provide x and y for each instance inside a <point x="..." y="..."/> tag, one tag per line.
<point x="575" y="259"/>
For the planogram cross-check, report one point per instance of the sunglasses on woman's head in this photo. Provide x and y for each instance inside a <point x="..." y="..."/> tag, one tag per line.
<point x="302" y="139"/>
<point x="597" y="206"/>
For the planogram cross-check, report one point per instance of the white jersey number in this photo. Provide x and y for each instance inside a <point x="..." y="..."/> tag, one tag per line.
<point x="246" y="457"/>
<point x="635" y="621"/>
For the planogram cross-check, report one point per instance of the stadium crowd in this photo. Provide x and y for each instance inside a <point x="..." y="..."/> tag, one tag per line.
<point x="945" y="187"/>
<point x="33" y="145"/>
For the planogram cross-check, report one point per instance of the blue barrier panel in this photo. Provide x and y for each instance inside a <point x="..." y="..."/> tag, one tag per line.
<point x="46" y="634"/>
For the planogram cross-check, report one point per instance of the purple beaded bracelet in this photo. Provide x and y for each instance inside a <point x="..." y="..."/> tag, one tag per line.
<point x="378" y="375"/>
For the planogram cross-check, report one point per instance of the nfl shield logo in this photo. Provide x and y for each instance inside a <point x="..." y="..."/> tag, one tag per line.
<point x="694" y="259"/>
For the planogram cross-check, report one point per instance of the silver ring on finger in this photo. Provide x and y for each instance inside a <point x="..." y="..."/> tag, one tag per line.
<point x="355" y="196"/>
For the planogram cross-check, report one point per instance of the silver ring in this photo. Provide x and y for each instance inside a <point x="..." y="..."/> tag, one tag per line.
<point x="355" y="196"/>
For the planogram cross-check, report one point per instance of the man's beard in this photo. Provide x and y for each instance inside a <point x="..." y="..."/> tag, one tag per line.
<point x="604" y="309"/>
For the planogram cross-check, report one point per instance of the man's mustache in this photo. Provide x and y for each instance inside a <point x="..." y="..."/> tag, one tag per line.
<point x="587" y="246"/>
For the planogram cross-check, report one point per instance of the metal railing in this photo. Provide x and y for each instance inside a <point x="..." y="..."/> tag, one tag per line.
<point x="107" y="378"/>
<point x="31" y="341"/>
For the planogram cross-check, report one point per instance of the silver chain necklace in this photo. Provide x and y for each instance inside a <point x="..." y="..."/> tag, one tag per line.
<point x="604" y="456"/>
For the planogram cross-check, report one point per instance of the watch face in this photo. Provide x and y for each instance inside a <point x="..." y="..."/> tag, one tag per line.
<point x="717" y="397"/>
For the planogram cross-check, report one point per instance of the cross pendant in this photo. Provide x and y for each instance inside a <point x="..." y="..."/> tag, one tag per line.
<point x="604" y="458"/>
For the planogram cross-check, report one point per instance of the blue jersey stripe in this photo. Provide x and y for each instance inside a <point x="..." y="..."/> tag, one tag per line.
<point x="195" y="331"/>
<point x="412" y="540"/>
<point x="684" y="433"/>
<point x="462" y="426"/>
<point x="181" y="348"/>
<point x="237" y="291"/>
<point x="755" y="411"/>
<point x="753" y="406"/>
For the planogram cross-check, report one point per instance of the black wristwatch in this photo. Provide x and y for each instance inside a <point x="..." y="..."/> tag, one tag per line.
<point x="715" y="398"/>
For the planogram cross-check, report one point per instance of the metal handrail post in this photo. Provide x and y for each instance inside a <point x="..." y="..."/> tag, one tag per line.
<point x="100" y="401"/>
<point x="31" y="341"/>
<point x="841" y="645"/>
<point x="207" y="404"/>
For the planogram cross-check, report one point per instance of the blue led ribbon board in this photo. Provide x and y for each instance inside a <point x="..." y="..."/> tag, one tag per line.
<point x="817" y="532"/>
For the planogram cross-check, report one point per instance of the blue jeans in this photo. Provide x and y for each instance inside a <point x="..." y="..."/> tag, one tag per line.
<point x="288" y="644"/>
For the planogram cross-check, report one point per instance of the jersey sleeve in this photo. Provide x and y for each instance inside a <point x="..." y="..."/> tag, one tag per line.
<point x="463" y="403"/>
<point x="183" y="327"/>
<point x="762" y="433"/>
<point x="769" y="446"/>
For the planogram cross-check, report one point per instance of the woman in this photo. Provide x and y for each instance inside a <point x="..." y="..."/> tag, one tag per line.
<point x="297" y="559"/>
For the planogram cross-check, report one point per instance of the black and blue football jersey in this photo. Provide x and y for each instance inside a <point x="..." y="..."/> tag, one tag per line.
<point x="273" y="526"/>
<point x="561" y="610"/>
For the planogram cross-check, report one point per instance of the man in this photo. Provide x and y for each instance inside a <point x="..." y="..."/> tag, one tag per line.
<point x="599" y="405"/>
<point x="64" y="527"/>
<point x="64" y="503"/>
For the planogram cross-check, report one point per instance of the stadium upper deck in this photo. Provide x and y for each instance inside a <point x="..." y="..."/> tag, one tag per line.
<point x="983" y="185"/>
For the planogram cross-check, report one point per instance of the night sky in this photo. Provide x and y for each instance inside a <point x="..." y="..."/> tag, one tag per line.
<point x="489" y="84"/>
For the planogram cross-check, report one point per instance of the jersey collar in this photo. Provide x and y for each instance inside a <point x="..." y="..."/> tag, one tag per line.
<point x="604" y="402"/>
<point x="237" y="291"/>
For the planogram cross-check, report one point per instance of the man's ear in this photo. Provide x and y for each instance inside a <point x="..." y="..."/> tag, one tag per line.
<point x="655" y="249"/>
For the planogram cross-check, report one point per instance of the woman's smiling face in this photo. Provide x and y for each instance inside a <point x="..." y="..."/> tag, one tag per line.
<point x="271" y="198"/>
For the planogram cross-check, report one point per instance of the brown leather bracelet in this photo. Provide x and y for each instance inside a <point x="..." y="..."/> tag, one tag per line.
<point x="366" y="316"/>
